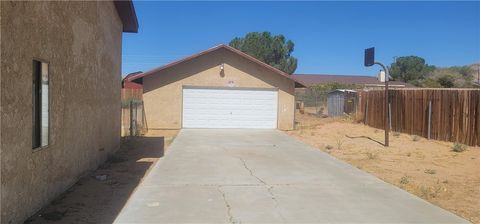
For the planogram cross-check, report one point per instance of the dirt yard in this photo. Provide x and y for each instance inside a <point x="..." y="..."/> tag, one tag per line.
<point x="99" y="197"/>
<point x="427" y="168"/>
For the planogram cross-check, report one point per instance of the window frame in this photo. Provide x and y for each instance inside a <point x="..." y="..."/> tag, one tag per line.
<point x="40" y="147"/>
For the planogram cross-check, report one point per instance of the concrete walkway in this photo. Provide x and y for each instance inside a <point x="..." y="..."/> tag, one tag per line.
<point x="265" y="176"/>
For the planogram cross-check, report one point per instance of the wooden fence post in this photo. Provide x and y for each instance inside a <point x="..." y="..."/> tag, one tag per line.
<point x="131" y="118"/>
<point x="429" y="119"/>
<point x="390" y="115"/>
<point x="366" y="111"/>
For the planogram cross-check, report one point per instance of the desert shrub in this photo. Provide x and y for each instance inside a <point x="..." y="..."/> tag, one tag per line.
<point x="430" y="171"/>
<point x="430" y="192"/>
<point x="371" y="155"/>
<point x="329" y="147"/>
<point x="404" y="180"/>
<point x="457" y="147"/>
<point x="415" y="138"/>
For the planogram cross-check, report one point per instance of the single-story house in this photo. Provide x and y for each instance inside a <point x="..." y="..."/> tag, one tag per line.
<point x="60" y="96"/>
<point x="363" y="82"/>
<point x="221" y="87"/>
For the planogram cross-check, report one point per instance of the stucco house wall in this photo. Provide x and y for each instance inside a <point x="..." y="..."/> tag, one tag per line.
<point x="163" y="90"/>
<point x="82" y="43"/>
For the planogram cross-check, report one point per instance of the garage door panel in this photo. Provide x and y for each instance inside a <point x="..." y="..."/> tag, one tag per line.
<point x="229" y="108"/>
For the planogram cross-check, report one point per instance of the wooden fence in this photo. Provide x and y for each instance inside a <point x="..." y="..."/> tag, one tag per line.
<point x="443" y="114"/>
<point x="133" y="114"/>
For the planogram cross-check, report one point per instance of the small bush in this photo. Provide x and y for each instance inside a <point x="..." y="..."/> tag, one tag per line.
<point x="371" y="155"/>
<point x="415" y="138"/>
<point x="404" y="180"/>
<point x="328" y="147"/>
<point x="430" y="171"/>
<point x="457" y="147"/>
<point x="430" y="192"/>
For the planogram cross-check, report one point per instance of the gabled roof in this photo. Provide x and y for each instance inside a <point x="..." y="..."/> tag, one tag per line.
<point x="127" y="14"/>
<point x="218" y="47"/>
<point x="315" y="79"/>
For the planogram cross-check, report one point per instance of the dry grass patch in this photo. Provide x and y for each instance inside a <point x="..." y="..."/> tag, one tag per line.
<point x="443" y="173"/>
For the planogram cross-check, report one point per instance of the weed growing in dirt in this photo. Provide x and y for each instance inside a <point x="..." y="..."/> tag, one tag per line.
<point x="371" y="155"/>
<point x="457" y="147"/>
<point x="396" y="134"/>
<point x="404" y="180"/>
<point x="415" y="138"/>
<point x="329" y="147"/>
<point x="430" y="171"/>
<point x="409" y="154"/>
<point x="430" y="192"/>
<point x="347" y="118"/>
<point x="340" y="142"/>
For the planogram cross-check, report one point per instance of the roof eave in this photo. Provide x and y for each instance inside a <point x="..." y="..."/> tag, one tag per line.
<point x="126" y="12"/>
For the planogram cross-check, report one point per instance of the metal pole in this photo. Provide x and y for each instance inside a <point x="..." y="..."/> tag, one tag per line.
<point x="387" y="118"/>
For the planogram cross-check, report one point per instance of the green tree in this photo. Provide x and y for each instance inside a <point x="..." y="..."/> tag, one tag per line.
<point x="273" y="50"/>
<point x="447" y="81"/>
<point x="410" y="68"/>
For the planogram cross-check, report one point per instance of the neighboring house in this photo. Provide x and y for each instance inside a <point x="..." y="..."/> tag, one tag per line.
<point x="60" y="96"/>
<point x="127" y="84"/>
<point x="363" y="82"/>
<point x="221" y="87"/>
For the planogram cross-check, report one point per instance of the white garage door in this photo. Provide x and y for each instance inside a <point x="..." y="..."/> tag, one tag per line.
<point x="229" y="108"/>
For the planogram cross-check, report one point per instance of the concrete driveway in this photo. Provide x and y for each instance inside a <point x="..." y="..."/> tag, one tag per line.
<point x="265" y="176"/>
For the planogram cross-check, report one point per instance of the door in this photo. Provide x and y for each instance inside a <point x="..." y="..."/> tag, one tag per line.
<point x="230" y="108"/>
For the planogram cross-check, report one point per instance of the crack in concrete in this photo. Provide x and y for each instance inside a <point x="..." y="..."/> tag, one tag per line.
<point x="251" y="171"/>
<point x="229" y="208"/>
<point x="269" y="188"/>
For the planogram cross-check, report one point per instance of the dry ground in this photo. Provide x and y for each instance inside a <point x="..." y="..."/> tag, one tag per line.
<point x="99" y="201"/>
<point x="426" y="168"/>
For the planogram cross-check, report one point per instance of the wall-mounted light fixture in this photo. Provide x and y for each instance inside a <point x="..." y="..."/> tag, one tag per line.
<point x="222" y="70"/>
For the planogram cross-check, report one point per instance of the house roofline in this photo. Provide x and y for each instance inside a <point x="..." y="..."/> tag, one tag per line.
<point x="221" y="46"/>
<point x="126" y="12"/>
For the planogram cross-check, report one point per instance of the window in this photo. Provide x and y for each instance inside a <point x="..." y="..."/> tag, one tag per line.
<point x="40" y="105"/>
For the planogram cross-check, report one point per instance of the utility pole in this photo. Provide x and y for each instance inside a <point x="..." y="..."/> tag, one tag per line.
<point x="370" y="61"/>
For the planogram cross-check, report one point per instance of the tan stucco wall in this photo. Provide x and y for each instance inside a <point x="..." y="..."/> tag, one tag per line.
<point x="82" y="43"/>
<point x="163" y="90"/>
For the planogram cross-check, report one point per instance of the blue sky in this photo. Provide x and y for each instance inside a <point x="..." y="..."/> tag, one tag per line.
<point x="329" y="37"/>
